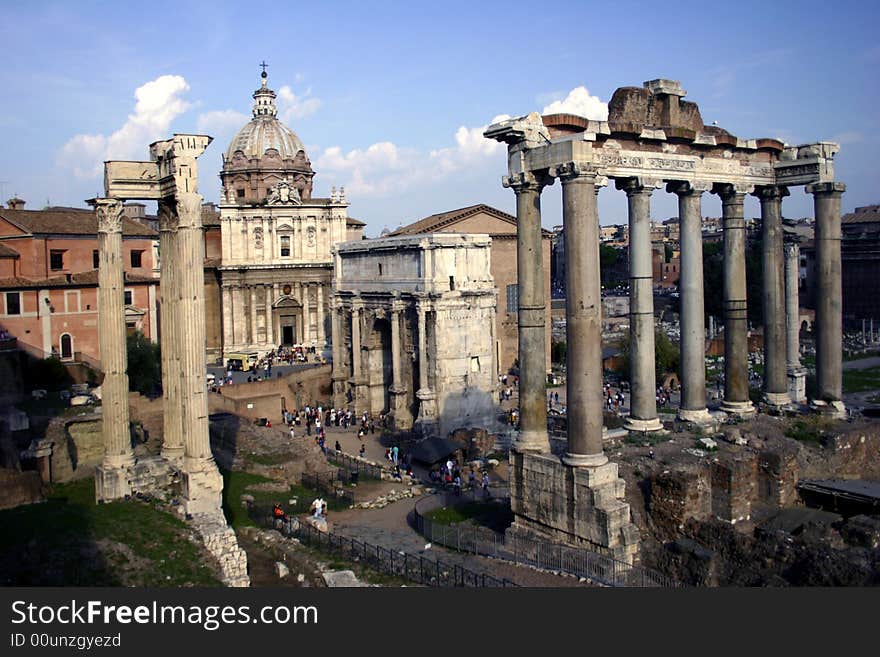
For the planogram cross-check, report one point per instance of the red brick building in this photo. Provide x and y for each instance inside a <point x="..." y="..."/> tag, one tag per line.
<point x="49" y="280"/>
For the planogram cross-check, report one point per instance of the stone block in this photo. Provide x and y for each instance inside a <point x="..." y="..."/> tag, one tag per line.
<point x="281" y="570"/>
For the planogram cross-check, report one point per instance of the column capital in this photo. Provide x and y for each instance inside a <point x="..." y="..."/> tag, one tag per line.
<point x="357" y="305"/>
<point x="825" y="188"/>
<point x="109" y="214"/>
<point x="398" y="306"/>
<point x="770" y="192"/>
<point x="732" y="192"/>
<point x="638" y="185"/>
<point x="687" y="187"/>
<point x="791" y="249"/>
<point x="569" y="171"/>
<point x="189" y="209"/>
<point x="527" y="181"/>
<point x="167" y="216"/>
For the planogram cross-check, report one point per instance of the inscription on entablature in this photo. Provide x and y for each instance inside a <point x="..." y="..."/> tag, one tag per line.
<point x="798" y="170"/>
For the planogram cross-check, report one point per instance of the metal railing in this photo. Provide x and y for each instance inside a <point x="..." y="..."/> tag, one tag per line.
<point x="397" y="563"/>
<point x="579" y="562"/>
<point x="329" y="484"/>
<point x="352" y="464"/>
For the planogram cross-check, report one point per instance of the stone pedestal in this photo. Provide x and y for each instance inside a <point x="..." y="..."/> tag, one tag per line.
<point x="643" y="426"/>
<point x="426" y="423"/>
<point x="797" y="385"/>
<point x="574" y="505"/>
<point x="111" y="483"/>
<point x="400" y="409"/>
<point x="201" y="489"/>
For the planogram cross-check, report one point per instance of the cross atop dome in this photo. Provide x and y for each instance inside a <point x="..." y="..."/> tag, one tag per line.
<point x="264" y="98"/>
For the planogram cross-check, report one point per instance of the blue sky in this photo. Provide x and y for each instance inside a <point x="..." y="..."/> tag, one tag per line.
<point x="390" y="98"/>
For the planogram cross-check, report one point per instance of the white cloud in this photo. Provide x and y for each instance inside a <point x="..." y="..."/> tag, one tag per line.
<point x="291" y="106"/>
<point x="385" y="168"/>
<point x="219" y="122"/>
<point x="581" y="103"/>
<point x="159" y="102"/>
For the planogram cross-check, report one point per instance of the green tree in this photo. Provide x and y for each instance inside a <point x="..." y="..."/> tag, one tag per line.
<point x="608" y="257"/>
<point x="144" y="364"/>
<point x="49" y="373"/>
<point x="557" y="352"/>
<point x="666" y="356"/>
<point x="713" y="280"/>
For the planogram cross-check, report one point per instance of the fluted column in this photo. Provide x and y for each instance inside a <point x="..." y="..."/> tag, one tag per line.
<point x="319" y="317"/>
<point x="112" y="481"/>
<point x="533" y="435"/>
<point x="797" y="374"/>
<point x="356" y="340"/>
<point x="829" y="317"/>
<point x="336" y="335"/>
<point x="773" y="295"/>
<point x="270" y="337"/>
<point x="228" y="338"/>
<point x="253" y="314"/>
<point x="402" y="414"/>
<point x="643" y="380"/>
<point x="736" y="341"/>
<point x="426" y="422"/>
<point x="172" y="429"/>
<point x="583" y="316"/>
<point x="690" y="285"/>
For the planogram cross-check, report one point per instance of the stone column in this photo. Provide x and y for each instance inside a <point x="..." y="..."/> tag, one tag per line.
<point x="583" y="315"/>
<point x="227" y="319"/>
<point x="829" y="318"/>
<point x="322" y="341"/>
<point x="112" y="476"/>
<point x="736" y="341"/>
<point x="172" y="429"/>
<point x="336" y="335"/>
<point x="690" y="284"/>
<point x="643" y="382"/>
<point x="202" y="484"/>
<point x="426" y="422"/>
<point x="270" y="337"/>
<point x="253" y="314"/>
<point x="238" y="318"/>
<point x="775" y="378"/>
<point x="797" y="374"/>
<point x="533" y="435"/>
<point x="402" y="417"/>
<point x="356" y="309"/>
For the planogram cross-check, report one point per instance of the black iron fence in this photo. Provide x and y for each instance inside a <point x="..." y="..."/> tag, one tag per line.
<point x="579" y="562"/>
<point x="397" y="563"/>
<point x="350" y="464"/>
<point x="329" y="484"/>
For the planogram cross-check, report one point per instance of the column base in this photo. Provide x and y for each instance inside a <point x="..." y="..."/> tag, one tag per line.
<point x="700" y="416"/>
<point x="400" y="414"/>
<point x="173" y="455"/>
<point x="777" y="399"/>
<point x="739" y="409"/>
<point x="834" y="410"/>
<point x="642" y="426"/>
<point x="584" y="460"/>
<point x="532" y="442"/>
<point x="577" y="505"/>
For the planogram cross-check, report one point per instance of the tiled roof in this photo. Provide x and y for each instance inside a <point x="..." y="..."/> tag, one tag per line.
<point x="8" y="252"/>
<point x="443" y="219"/>
<point x="351" y="221"/>
<point x="864" y="215"/>
<point x="83" y="279"/>
<point x="67" y="221"/>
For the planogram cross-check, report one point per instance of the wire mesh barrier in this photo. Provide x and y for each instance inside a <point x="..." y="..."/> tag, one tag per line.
<point x="329" y="484"/>
<point x="579" y="562"/>
<point x="397" y="563"/>
<point x="351" y="464"/>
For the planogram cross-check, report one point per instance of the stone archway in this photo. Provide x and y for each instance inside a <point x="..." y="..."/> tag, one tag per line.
<point x="379" y="366"/>
<point x="287" y="316"/>
<point x="66" y="346"/>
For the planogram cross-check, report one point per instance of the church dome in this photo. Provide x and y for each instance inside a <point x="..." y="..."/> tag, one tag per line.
<point x="264" y="154"/>
<point x="265" y="131"/>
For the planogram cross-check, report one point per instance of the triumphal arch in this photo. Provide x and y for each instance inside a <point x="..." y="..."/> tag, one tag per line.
<point x="653" y="139"/>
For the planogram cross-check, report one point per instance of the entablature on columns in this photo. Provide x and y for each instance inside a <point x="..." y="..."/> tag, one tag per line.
<point x="637" y="141"/>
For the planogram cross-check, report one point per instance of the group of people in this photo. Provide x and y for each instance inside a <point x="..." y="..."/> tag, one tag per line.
<point x="449" y="474"/>
<point x="318" y="509"/>
<point x="614" y="401"/>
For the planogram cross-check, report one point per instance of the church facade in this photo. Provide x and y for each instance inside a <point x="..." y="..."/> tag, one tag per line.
<point x="276" y="266"/>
